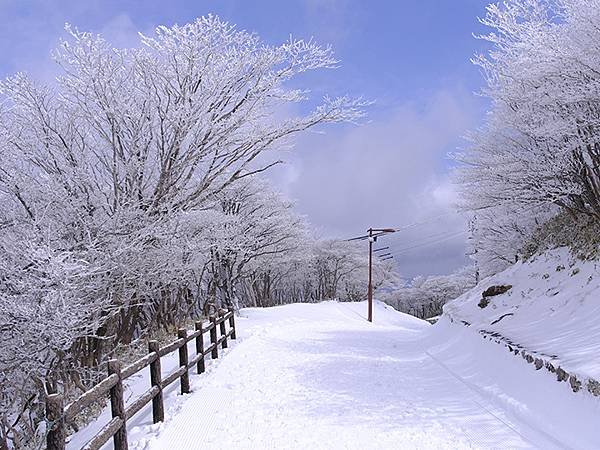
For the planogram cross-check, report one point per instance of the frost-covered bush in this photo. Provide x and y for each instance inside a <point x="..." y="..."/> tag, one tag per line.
<point x="581" y="233"/>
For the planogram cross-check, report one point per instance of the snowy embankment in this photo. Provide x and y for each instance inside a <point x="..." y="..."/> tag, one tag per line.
<point x="320" y="376"/>
<point x="551" y="310"/>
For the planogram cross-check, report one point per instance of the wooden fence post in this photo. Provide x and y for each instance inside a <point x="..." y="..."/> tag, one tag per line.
<point x="232" y="322"/>
<point x="158" y="407"/>
<point x="200" y="348"/>
<point x="117" y="405"/>
<point x="223" y="329"/>
<point x="213" y="338"/>
<point x="56" y="435"/>
<point x="183" y="362"/>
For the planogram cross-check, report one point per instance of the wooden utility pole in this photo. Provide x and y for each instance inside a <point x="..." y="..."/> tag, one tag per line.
<point x="371" y="236"/>
<point x="370" y="288"/>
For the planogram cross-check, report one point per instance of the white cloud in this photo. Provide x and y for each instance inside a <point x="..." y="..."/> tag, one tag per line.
<point x="390" y="172"/>
<point x="121" y="32"/>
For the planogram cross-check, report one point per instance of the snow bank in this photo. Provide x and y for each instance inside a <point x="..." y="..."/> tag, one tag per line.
<point x="539" y="409"/>
<point x="552" y="309"/>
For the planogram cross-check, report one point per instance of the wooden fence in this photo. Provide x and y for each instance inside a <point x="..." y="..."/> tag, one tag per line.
<point x="58" y="415"/>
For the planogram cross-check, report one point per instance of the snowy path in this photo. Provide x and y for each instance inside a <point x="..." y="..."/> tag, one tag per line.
<point x="319" y="376"/>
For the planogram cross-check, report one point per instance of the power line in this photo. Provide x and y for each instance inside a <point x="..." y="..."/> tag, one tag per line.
<point x="426" y="221"/>
<point x="428" y="241"/>
<point x="398" y="252"/>
<point x="382" y="231"/>
<point x="433" y="236"/>
<point x="372" y="234"/>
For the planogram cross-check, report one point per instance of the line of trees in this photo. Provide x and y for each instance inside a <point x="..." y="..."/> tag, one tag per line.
<point x="538" y="153"/>
<point x="325" y="269"/>
<point x="131" y="201"/>
<point x="424" y="297"/>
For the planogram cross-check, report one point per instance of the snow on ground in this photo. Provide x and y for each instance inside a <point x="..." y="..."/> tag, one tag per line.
<point x="320" y="376"/>
<point x="553" y="308"/>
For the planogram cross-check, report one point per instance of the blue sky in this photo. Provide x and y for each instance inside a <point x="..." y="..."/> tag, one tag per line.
<point x="410" y="56"/>
<point x="393" y="51"/>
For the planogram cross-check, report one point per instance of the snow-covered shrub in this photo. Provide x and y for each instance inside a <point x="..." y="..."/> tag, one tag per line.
<point x="581" y="233"/>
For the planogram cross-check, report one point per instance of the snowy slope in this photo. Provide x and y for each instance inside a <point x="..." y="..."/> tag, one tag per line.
<point x="320" y="376"/>
<point x="553" y="309"/>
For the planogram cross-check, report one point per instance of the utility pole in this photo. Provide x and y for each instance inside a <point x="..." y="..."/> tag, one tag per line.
<point x="370" y="288"/>
<point x="371" y="236"/>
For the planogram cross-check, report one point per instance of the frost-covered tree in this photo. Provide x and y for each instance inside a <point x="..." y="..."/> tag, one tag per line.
<point x="317" y="270"/>
<point x="424" y="297"/>
<point x="259" y="227"/>
<point x="113" y="180"/>
<point x="539" y="151"/>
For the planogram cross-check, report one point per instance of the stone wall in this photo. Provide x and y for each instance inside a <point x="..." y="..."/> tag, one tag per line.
<point x="541" y="361"/>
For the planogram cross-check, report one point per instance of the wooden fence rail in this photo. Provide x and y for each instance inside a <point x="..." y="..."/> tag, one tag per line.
<point x="58" y="415"/>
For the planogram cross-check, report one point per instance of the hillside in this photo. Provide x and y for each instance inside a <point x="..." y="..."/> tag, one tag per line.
<point x="552" y="310"/>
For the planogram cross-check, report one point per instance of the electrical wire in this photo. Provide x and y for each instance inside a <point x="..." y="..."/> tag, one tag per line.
<point x="431" y="236"/>
<point x="426" y="221"/>
<point x="405" y="227"/>
<point x="401" y="251"/>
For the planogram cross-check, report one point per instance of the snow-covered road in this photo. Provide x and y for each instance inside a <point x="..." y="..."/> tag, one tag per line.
<point x="319" y="376"/>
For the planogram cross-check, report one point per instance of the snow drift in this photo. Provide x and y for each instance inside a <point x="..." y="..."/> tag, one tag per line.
<point x="551" y="310"/>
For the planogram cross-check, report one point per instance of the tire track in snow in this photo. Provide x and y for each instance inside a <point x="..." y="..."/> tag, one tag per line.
<point x="476" y="391"/>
